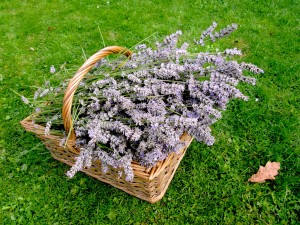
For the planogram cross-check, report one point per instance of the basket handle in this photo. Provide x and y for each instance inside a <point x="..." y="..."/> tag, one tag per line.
<point x="74" y="82"/>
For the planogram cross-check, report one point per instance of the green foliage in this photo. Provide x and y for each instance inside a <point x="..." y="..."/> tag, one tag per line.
<point x="210" y="186"/>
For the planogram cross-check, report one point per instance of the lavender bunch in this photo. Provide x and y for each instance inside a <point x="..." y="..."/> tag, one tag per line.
<point x="138" y="111"/>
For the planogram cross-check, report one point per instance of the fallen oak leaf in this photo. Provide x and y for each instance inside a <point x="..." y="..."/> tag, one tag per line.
<point x="266" y="173"/>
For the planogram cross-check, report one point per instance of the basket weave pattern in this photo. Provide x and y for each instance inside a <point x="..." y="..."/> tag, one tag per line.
<point x="149" y="184"/>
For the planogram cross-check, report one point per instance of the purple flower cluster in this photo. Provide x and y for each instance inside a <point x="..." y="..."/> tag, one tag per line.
<point x="139" y="110"/>
<point x="213" y="36"/>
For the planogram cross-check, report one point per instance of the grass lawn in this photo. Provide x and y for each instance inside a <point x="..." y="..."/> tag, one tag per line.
<point x="210" y="186"/>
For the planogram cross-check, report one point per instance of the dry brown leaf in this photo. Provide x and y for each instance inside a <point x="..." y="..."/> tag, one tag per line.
<point x="266" y="173"/>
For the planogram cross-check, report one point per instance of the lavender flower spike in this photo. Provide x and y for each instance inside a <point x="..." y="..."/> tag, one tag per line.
<point x="207" y="32"/>
<point x="25" y="100"/>
<point x="52" y="69"/>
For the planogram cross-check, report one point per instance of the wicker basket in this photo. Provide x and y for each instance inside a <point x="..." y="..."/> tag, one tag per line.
<point x="149" y="184"/>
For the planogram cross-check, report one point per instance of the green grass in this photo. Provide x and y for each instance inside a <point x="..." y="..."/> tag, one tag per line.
<point x="210" y="186"/>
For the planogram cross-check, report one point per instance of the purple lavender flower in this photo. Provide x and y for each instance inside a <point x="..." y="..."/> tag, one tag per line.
<point x="206" y="33"/>
<point x="224" y="32"/>
<point x="25" y="100"/>
<point x="52" y="69"/>
<point x="234" y="51"/>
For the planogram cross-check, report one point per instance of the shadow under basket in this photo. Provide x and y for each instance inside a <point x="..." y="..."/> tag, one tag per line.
<point x="149" y="184"/>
